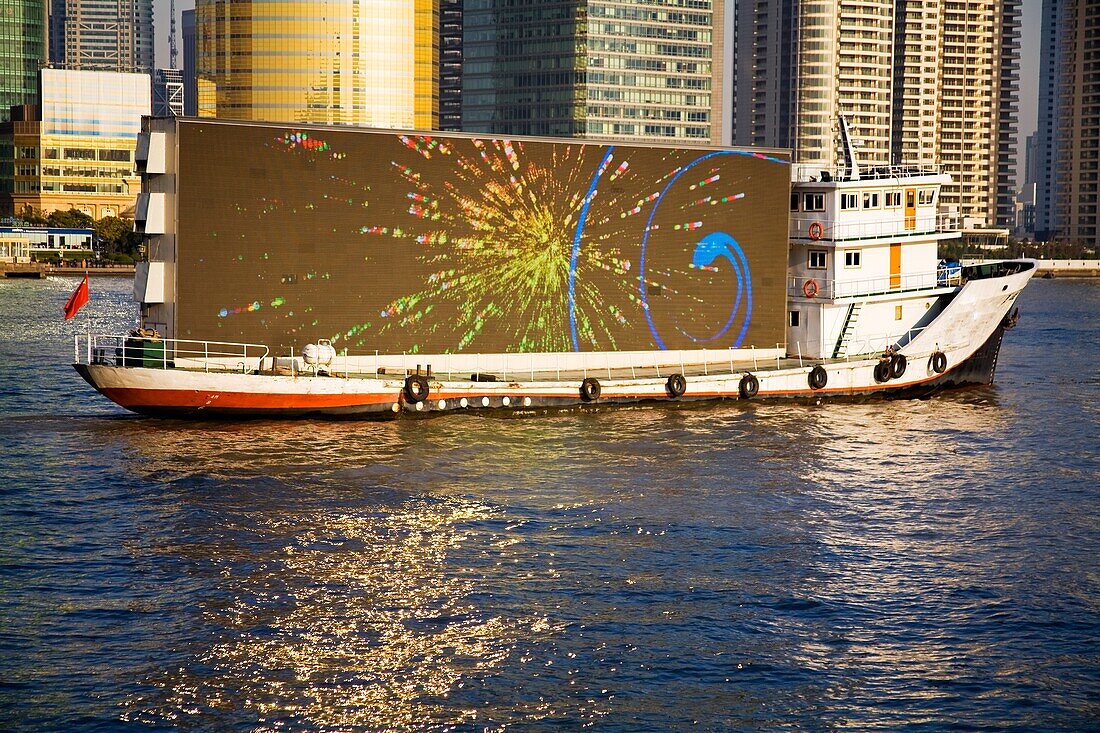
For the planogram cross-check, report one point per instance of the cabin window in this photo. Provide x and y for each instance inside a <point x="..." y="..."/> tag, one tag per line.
<point x="897" y="312"/>
<point x="910" y="199"/>
<point x="853" y="258"/>
<point x="794" y="202"/>
<point x="817" y="259"/>
<point x="848" y="201"/>
<point x="893" y="199"/>
<point x="813" y="202"/>
<point x="926" y="197"/>
<point x="794" y="319"/>
<point x="870" y="200"/>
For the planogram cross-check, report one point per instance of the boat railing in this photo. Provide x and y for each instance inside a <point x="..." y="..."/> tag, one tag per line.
<point x="153" y="352"/>
<point x="812" y="287"/>
<point x="808" y="173"/>
<point x="254" y="359"/>
<point x="802" y="226"/>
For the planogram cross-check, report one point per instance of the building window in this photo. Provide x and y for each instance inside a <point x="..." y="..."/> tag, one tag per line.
<point x="794" y="202"/>
<point x="853" y="258"/>
<point x="848" y="201"/>
<point x="813" y="202"/>
<point x="870" y="200"/>
<point x="794" y="319"/>
<point x="893" y="199"/>
<point x="817" y="259"/>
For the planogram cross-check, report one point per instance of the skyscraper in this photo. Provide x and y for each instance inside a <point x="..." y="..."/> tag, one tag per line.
<point x="955" y="101"/>
<point x="310" y="61"/>
<point x="450" y="64"/>
<point x="102" y="35"/>
<point x="22" y="52"/>
<point x="1077" y="141"/>
<point x="920" y="82"/>
<point x="594" y="68"/>
<point x="802" y="65"/>
<point x="1045" y="157"/>
<point x="167" y="93"/>
<point x="190" y="83"/>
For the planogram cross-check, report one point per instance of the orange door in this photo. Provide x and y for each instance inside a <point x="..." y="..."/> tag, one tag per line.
<point x="895" y="266"/>
<point x="910" y="210"/>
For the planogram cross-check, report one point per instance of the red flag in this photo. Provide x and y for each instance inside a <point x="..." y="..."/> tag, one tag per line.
<point x="78" y="299"/>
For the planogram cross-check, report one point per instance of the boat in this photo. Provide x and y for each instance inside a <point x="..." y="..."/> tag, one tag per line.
<point x="870" y="311"/>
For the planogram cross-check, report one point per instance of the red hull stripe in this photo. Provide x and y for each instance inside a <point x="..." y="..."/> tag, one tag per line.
<point x="128" y="397"/>
<point x="197" y="399"/>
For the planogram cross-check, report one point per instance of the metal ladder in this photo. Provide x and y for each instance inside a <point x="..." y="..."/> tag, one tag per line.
<point x="849" y="328"/>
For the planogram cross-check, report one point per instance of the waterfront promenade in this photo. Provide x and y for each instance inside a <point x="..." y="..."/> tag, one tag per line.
<point x="39" y="270"/>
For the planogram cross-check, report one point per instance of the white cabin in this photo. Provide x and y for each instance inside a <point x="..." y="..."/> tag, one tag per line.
<point x="864" y="270"/>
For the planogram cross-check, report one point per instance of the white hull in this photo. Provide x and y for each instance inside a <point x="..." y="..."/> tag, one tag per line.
<point x="967" y="333"/>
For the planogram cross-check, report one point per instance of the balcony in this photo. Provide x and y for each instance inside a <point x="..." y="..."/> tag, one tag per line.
<point x="799" y="287"/>
<point x="895" y="226"/>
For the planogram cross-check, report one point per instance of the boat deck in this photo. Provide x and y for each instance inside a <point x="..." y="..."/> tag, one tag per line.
<point x="577" y="375"/>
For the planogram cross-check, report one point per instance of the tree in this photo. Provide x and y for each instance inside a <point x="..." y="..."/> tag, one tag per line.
<point x="71" y="219"/>
<point x="32" y="216"/>
<point x="117" y="237"/>
<point x="113" y="229"/>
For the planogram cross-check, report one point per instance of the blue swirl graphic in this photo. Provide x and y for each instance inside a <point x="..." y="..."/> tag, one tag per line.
<point x="709" y="249"/>
<point x="718" y="244"/>
<point x="577" y="245"/>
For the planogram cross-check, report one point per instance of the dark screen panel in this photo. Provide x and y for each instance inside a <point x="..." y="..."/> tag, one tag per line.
<point x="452" y="244"/>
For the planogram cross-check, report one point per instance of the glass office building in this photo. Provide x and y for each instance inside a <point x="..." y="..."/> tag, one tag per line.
<point x="22" y="52"/>
<point x="79" y="152"/>
<point x="102" y="35"/>
<point x="339" y="63"/>
<point x="593" y="68"/>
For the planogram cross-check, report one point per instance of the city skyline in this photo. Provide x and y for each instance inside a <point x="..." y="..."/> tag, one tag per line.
<point x="1031" y="14"/>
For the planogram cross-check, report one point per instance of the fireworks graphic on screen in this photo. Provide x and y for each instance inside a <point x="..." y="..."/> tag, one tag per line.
<point x="508" y="245"/>
<point x="500" y="241"/>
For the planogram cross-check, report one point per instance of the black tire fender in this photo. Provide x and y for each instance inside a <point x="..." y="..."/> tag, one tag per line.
<point x="898" y="363"/>
<point x="590" y="389"/>
<point x="676" y="385"/>
<point x="938" y="362"/>
<point x="818" y="377"/>
<point x="416" y="388"/>
<point x="748" y="386"/>
<point x="882" y="371"/>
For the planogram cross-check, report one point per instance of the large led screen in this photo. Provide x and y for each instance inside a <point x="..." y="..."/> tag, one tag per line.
<point x="446" y="243"/>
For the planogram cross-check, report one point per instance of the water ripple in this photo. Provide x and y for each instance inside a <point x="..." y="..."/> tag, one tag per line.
<point x="852" y="565"/>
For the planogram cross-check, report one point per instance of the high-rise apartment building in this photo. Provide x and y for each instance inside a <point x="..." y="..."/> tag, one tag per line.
<point x="1077" y="139"/>
<point x="77" y="149"/>
<point x="594" y="68"/>
<point x="22" y="52"/>
<point x="919" y="81"/>
<point x="310" y="61"/>
<point x="955" y="101"/>
<point x="1050" y="48"/>
<point x="102" y="35"/>
<point x="801" y="65"/>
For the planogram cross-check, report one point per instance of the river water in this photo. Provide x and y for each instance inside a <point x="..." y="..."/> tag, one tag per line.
<point x="859" y="565"/>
